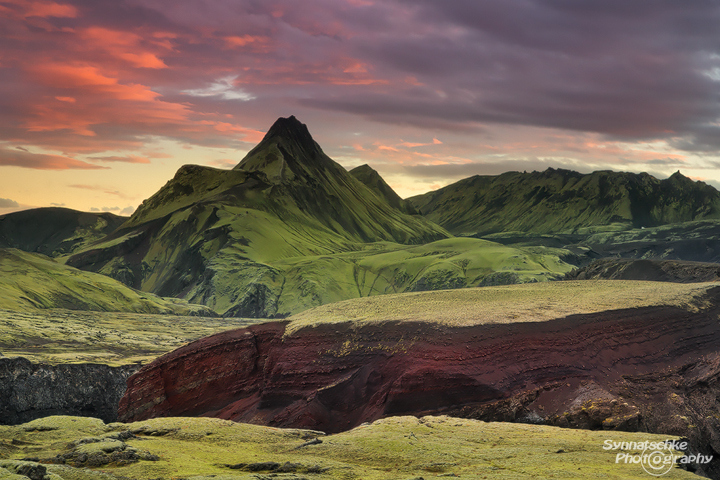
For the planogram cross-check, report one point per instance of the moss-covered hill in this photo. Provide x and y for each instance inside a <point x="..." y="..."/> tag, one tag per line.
<point x="30" y="281"/>
<point x="55" y="231"/>
<point x="398" y="448"/>
<point x="563" y="201"/>
<point x="239" y="280"/>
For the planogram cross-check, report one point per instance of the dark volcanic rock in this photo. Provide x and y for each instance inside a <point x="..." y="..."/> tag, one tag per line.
<point x="650" y="369"/>
<point x="654" y="270"/>
<point x="29" y="391"/>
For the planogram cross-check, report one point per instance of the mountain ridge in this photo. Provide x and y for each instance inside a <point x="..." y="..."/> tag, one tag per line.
<point x="55" y="231"/>
<point x="565" y="201"/>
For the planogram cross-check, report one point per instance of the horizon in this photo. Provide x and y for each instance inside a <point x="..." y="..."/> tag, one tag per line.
<point x="105" y="101"/>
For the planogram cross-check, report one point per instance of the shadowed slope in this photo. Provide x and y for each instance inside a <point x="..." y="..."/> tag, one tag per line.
<point x="562" y="201"/>
<point x="30" y="281"/>
<point x="55" y="231"/>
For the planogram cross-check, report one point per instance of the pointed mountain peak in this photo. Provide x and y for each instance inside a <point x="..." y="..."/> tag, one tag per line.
<point x="678" y="176"/>
<point x="293" y="134"/>
<point x="287" y="152"/>
<point x="289" y="127"/>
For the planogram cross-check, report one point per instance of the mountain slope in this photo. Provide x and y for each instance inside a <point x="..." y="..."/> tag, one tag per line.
<point x="372" y="179"/>
<point x="55" y="231"/>
<point x="211" y="236"/>
<point x="562" y="201"/>
<point x="30" y="281"/>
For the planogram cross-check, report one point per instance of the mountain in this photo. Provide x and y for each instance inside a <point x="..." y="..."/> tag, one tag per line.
<point x="372" y="179"/>
<point x="214" y="236"/>
<point x="31" y="281"/>
<point x="55" y="231"/>
<point x="563" y="201"/>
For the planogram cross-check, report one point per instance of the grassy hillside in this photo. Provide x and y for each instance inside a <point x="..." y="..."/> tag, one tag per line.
<point x="390" y="268"/>
<point x="398" y="448"/>
<point x="506" y="304"/>
<point x="33" y="281"/>
<point x="112" y="338"/>
<point x="55" y="231"/>
<point x="562" y="201"/>
<point x="263" y="274"/>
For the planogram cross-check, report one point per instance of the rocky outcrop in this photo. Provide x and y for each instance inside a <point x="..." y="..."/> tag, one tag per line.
<point x="648" y="269"/>
<point x="29" y="391"/>
<point x="648" y="369"/>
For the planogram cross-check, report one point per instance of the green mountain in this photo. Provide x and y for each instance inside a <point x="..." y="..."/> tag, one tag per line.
<point x="31" y="281"/>
<point x="55" y="231"/>
<point x="563" y="201"/>
<point x="214" y="236"/>
<point x="372" y="179"/>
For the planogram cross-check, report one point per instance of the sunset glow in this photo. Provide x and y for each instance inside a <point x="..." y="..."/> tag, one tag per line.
<point x="103" y="101"/>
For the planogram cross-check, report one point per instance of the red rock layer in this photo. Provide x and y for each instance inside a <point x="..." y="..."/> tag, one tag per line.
<point x="648" y="369"/>
<point x="334" y="377"/>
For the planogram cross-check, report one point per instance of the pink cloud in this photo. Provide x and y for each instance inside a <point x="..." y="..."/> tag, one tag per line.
<point x="123" y="159"/>
<point x="25" y="159"/>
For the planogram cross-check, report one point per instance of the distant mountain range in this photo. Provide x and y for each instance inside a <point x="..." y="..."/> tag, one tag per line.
<point x="55" y="231"/>
<point x="288" y="229"/>
<point x="563" y="201"/>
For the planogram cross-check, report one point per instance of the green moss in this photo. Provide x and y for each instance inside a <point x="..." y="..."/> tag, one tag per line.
<point x="394" y="448"/>
<point x="532" y="302"/>
<point x="64" y="336"/>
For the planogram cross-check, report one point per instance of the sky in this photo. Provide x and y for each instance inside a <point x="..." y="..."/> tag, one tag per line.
<point x="101" y="101"/>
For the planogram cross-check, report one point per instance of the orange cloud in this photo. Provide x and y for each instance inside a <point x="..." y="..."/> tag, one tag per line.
<point x="99" y="99"/>
<point x="102" y="189"/>
<point x="252" y="136"/>
<point x="24" y="159"/>
<point x="343" y="71"/>
<point x="121" y="44"/>
<point x="125" y="159"/>
<point x="257" y="42"/>
<point x="50" y="9"/>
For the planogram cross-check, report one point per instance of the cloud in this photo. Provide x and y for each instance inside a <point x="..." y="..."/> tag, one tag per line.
<point x="127" y="211"/>
<point x="25" y="159"/>
<point x="96" y="78"/>
<point x="7" y="203"/>
<point x="223" y="88"/>
<point x="224" y="163"/>
<point x="124" y="159"/>
<point x="99" y="188"/>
